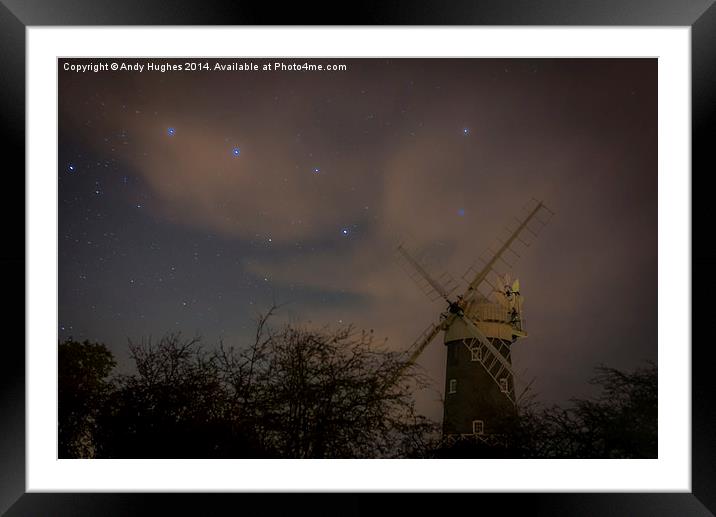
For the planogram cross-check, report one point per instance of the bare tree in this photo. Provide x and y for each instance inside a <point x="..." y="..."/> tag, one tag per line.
<point x="621" y="422"/>
<point x="173" y="406"/>
<point x="316" y="393"/>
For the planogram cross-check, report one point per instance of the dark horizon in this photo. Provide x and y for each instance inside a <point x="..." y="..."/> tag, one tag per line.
<point x="189" y="201"/>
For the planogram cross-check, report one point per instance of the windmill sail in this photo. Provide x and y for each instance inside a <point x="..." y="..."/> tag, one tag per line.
<point x="516" y="237"/>
<point x="434" y="286"/>
<point x="420" y="344"/>
<point x="425" y="339"/>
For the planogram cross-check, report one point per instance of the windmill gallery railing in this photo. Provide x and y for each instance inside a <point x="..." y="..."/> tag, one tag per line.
<point x="495" y="313"/>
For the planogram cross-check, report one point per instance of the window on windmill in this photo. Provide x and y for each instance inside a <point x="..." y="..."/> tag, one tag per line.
<point x="476" y="354"/>
<point x="503" y="385"/>
<point x="452" y="386"/>
<point x="478" y="427"/>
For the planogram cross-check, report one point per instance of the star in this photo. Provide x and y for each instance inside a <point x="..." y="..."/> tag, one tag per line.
<point x="316" y="170"/>
<point x="466" y="131"/>
<point x="171" y="131"/>
<point x="71" y="168"/>
<point x="345" y="232"/>
<point x="236" y="151"/>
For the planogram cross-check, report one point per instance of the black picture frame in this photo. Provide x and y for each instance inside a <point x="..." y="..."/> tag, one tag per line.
<point x="17" y="15"/>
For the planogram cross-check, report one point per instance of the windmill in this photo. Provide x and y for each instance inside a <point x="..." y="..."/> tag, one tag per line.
<point x="480" y="326"/>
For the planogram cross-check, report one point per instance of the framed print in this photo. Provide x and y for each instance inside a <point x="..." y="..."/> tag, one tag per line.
<point x="227" y="230"/>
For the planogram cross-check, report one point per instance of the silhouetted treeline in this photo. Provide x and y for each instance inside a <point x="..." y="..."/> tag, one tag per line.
<point x="294" y="393"/>
<point x="298" y="393"/>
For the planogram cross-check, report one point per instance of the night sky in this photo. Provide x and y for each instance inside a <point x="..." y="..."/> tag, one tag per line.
<point x="190" y="201"/>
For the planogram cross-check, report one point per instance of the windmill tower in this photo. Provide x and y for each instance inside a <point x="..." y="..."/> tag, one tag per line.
<point x="480" y="327"/>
